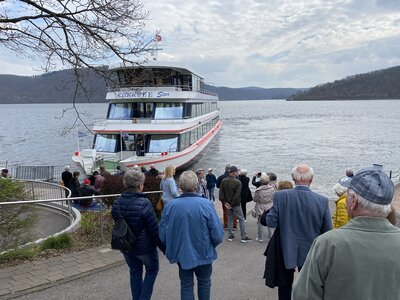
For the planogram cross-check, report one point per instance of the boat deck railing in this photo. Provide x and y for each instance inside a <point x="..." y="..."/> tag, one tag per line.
<point x="177" y="88"/>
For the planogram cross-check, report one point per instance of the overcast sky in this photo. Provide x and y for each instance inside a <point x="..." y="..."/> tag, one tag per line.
<point x="269" y="43"/>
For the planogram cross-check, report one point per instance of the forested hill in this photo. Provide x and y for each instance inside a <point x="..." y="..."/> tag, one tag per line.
<point x="252" y="93"/>
<point x="382" y="84"/>
<point x="58" y="87"/>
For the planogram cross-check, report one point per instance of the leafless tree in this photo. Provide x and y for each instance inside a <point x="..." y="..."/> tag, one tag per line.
<point x="75" y="34"/>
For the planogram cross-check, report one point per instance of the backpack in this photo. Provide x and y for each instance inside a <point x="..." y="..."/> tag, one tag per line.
<point x="122" y="238"/>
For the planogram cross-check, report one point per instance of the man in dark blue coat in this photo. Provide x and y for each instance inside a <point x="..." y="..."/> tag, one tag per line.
<point x="211" y="181"/>
<point x="302" y="215"/>
<point x="139" y="214"/>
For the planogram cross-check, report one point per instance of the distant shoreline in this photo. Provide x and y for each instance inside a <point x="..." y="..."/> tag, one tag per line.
<point x="305" y="100"/>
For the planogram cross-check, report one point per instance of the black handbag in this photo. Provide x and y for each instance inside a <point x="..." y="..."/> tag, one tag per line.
<point x="122" y="237"/>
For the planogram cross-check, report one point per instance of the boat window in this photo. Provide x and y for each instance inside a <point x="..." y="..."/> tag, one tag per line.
<point x="106" y="142"/>
<point x="163" y="143"/>
<point x="196" y="109"/>
<point x="120" y="111"/>
<point x="168" y="111"/>
<point x="128" y="141"/>
<point x="142" y="110"/>
<point x="196" y="83"/>
<point x="184" y="140"/>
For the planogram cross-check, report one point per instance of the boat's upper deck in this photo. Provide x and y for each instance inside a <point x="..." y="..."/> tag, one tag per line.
<point x="149" y="82"/>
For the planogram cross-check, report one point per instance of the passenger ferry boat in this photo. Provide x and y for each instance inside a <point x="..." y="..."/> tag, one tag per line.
<point x="158" y="115"/>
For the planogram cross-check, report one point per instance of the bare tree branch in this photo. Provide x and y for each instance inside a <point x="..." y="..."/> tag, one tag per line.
<point x="76" y="34"/>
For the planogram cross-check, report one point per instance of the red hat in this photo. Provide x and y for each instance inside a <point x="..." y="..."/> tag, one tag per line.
<point x="86" y="181"/>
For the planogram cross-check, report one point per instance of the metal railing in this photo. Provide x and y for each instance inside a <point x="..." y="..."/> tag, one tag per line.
<point x="48" y="173"/>
<point x="69" y="200"/>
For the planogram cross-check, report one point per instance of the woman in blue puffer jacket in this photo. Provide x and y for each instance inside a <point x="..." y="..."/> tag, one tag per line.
<point x="139" y="214"/>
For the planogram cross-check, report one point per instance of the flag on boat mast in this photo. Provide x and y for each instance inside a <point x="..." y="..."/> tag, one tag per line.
<point x="81" y="134"/>
<point x="157" y="38"/>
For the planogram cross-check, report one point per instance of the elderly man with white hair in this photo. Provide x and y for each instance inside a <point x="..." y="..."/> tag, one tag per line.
<point x="361" y="259"/>
<point x="301" y="215"/>
<point x="191" y="230"/>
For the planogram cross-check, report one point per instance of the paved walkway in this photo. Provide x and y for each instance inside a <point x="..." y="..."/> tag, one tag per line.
<point x="37" y="274"/>
<point x="40" y="274"/>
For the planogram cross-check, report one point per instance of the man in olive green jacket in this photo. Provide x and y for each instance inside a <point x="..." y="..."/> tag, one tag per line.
<point x="361" y="259"/>
<point x="229" y="195"/>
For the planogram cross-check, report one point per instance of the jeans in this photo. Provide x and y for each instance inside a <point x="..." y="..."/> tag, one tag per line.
<point x="142" y="289"/>
<point x="260" y="228"/>
<point x="211" y="194"/>
<point x="237" y="210"/>
<point x="203" y="274"/>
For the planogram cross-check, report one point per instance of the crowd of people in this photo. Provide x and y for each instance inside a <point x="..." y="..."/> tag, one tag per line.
<point x="102" y="181"/>
<point x="348" y="255"/>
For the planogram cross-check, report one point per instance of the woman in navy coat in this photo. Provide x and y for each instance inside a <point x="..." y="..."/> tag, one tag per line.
<point x="139" y="214"/>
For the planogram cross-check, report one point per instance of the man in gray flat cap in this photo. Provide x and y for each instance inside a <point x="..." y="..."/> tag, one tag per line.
<point x="361" y="259"/>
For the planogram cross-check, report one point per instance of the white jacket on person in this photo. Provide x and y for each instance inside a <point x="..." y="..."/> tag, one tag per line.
<point x="263" y="196"/>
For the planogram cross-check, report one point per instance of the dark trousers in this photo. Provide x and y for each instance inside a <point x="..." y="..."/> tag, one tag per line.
<point x="285" y="291"/>
<point x="244" y="209"/>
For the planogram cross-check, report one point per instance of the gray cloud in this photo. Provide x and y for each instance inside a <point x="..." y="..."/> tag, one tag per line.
<point x="276" y="43"/>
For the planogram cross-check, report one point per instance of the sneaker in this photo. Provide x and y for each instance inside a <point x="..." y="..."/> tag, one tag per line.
<point x="231" y="238"/>
<point x="259" y="240"/>
<point x="234" y="228"/>
<point x="246" y="239"/>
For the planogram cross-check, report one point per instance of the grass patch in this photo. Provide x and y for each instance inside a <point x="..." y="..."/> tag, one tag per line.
<point x="62" y="241"/>
<point x="87" y="236"/>
<point x="19" y="254"/>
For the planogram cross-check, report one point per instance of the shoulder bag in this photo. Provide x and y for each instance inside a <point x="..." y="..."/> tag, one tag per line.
<point x="122" y="237"/>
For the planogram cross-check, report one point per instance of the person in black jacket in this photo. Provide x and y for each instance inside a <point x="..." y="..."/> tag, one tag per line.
<point x="254" y="180"/>
<point x="245" y="195"/>
<point x="66" y="177"/>
<point x="138" y="213"/>
<point x="75" y="185"/>
<point x="86" y="190"/>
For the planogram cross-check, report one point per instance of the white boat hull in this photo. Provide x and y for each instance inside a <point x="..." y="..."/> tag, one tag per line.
<point x="178" y="159"/>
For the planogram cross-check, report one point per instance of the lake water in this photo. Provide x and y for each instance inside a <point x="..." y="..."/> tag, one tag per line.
<point x="270" y="136"/>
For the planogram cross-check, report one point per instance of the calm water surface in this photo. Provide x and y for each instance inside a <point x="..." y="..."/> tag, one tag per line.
<point x="270" y="136"/>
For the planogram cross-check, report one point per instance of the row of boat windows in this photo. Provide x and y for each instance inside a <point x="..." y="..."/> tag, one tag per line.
<point x="155" y="77"/>
<point x="151" y="143"/>
<point x="159" y="110"/>
<point x="190" y="137"/>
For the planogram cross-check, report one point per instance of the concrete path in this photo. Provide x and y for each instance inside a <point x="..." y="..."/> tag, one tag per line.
<point x="100" y="273"/>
